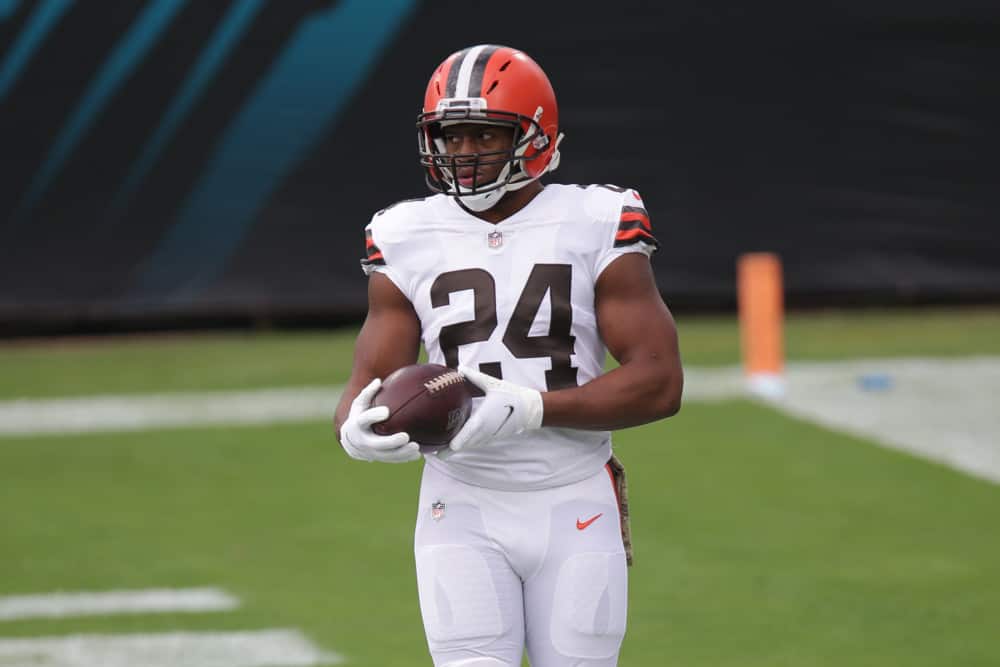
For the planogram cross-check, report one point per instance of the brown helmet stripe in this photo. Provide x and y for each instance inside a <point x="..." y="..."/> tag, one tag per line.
<point x="456" y="64"/>
<point x="465" y="74"/>
<point x="476" y="82"/>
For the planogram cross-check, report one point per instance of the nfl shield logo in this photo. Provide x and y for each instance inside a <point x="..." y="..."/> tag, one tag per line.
<point x="437" y="510"/>
<point x="494" y="239"/>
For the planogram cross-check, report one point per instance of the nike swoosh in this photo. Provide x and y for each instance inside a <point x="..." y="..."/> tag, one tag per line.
<point x="580" y="525"/>
<point x="510" y="411"/>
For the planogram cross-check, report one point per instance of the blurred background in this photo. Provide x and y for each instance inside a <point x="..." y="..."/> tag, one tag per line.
<point x="172" y="163"/>
<point x="183" y="190"/>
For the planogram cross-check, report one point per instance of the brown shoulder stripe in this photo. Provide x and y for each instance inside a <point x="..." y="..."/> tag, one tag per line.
<point x="634" y="226"/>
<point x="374" y="255"/>
<point x="636" y="214"/>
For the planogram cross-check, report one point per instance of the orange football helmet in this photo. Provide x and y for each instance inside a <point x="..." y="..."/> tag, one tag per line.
<point x="496" y="85"/>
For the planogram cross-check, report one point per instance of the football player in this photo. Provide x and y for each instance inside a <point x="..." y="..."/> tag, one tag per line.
<point x="523" y="287"/>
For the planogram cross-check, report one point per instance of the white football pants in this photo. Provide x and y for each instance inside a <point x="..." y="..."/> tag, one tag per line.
<point x="501" y="571"/>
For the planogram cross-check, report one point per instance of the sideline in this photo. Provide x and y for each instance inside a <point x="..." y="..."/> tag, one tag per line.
<point x="137" y="412"/>
<point x="944" y="410"/>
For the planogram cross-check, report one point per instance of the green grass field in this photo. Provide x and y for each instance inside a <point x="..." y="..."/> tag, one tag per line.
<point x="760" y="540"/>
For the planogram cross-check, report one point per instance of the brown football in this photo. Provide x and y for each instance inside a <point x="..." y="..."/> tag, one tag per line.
<point x="427" y="401"/>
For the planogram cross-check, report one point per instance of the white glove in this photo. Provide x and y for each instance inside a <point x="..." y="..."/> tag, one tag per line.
<point x="507" y="409"/>
<point x="363" y="444"/>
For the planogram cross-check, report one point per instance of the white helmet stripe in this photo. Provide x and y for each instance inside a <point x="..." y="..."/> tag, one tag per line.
<point x="465" y="70"/>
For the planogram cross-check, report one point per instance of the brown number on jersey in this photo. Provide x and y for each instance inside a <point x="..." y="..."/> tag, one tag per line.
<point x="558" y="344"/>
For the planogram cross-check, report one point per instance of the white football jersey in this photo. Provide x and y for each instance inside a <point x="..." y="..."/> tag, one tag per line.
<point x="515" y="300"/>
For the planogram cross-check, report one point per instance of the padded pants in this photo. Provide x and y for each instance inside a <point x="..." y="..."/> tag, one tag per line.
<point x="499" y="572"/>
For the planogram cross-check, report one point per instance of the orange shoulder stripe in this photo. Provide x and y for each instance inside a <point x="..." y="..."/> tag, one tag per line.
<point x="632" y="233"/>
<point x="640" y="217"/>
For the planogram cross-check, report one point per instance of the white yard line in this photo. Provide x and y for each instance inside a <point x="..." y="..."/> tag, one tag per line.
<point x="262" y="406"/>
<point x="709" y="384"/>
<point x="945" y="410"/>
<point x="156" y="600"/>
<point x="260" y="648"/>
<point x="131" y="413"/>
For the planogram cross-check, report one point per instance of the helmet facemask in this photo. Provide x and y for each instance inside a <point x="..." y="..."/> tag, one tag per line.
<point x="442" y="167"/>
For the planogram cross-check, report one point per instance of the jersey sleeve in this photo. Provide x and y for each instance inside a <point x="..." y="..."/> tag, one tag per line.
<point x="373" y="258"/>
<point x="629" y="230"/>
<point x="378" y="255"/>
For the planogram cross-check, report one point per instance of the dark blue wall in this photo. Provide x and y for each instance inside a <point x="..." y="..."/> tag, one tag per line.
<point x="171" y="158"/>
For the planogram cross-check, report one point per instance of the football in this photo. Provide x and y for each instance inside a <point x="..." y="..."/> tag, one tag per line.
<point x="427" y="401"/>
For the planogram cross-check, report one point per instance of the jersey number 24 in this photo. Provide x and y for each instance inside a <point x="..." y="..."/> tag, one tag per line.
<point x="557" y="345"/>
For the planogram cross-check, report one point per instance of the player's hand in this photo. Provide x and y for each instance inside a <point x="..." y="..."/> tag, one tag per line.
<point x="507" y="409"/>
<point x="363" y="444"/>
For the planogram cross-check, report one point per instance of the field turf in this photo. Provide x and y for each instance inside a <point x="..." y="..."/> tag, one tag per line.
<point x="760" y="540"/>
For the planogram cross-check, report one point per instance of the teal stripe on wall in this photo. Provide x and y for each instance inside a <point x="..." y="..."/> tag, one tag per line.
<point x="28" y="39"/>
<point x="7" y="8"/>
<point x="291" y="109"/>
<point x="126" y="56"/>
<point x="228" y="34"/>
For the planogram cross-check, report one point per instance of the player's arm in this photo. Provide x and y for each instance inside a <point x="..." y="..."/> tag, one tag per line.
<point x="389" y="339"/>
<point x="640" y="333"/>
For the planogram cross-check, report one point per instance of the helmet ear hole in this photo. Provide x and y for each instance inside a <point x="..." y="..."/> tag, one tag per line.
<point x="536" y="167"/>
